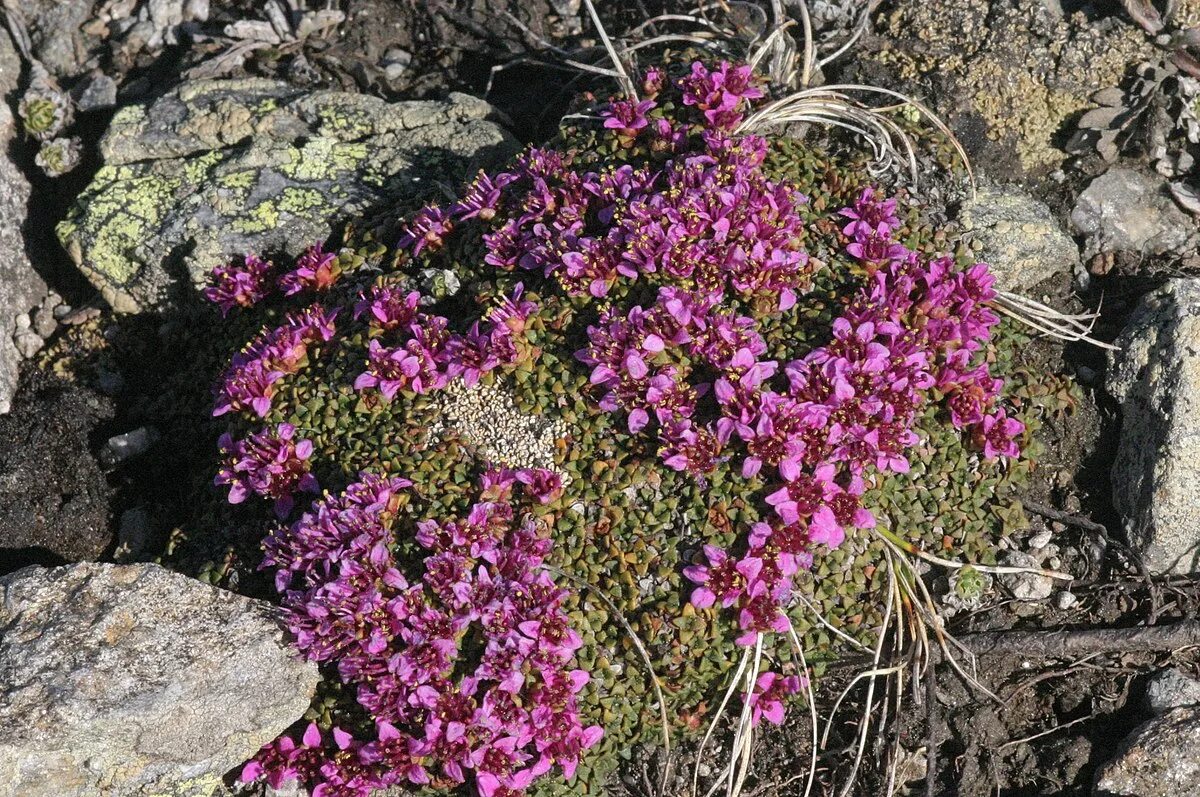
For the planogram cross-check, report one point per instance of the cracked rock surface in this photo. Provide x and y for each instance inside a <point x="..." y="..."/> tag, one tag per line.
<point x="133" y="680"/>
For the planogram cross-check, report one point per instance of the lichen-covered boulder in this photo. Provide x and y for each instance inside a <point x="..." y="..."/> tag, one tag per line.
<point x="1155" y="374"/>
<point x="1020" y="239"/>
<point x="1159" y="758"/>
<point x="132" y="680"/>
<point x="217" y="168"/>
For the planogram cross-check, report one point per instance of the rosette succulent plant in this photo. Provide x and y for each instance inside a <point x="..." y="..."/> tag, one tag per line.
<point x="764" y="369"/>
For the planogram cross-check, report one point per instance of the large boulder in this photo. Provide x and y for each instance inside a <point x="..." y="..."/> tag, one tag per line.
<point x="21" y="289"/>
<point x="220" y="168"/>
<point x="133" y="680"/>
<point x="1155" y="374"/>
<point x="1159" y="759"/>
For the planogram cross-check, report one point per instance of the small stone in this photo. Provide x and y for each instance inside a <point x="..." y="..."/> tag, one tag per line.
<point x="94" y="92"/>
<point x="1065" y="600"/>
<point x="1125" y="210"/>
<point x="28" y="343"/>
<point x="126" y="446"/>
<point x="1025" y="586"/>
<point x="1021" y="240"/>
<point x="22" y="322"/>
<point x="1040" y="540"/>
<point x="1171" y="688"/>
<point x="62" y="311"/>
<point x="43" y="321"/>
<point x="81" y="315"/>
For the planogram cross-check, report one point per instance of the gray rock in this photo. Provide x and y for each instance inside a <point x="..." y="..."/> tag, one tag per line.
<point x="1065" y="600"/>
<point x="20" y="286"/>
<point x="1170" y="689"/>
<point x="1124" y="210"/>
<point x="44" y="322"/>
<point x="56" y="33"/>
<point x="1155" y="374"/>
<point x="129" y="445"/>
<point x="132" y="680"/>
<point x="220" y="168"/>
<point x="133" y="532"/>
<point x="94" y="92"/>
<point x="1026" y="586"/>
<point x="28" y="343"/>
<point x="1161" y="758"/>
<point x="1021" y="240"/>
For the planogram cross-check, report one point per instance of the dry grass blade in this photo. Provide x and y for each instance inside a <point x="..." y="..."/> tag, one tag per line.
<point x="627" y="85"/>
<point x="1075" y="328"/>
<point x="712" y="726"/>
<point x="836" y="99"/>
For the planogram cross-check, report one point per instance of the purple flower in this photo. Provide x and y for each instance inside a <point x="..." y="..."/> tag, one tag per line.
<point x="269" y="463"/>
<point x="239" y="284"/>
<point x="770" y="691"/>
<point x="316" y="270"/>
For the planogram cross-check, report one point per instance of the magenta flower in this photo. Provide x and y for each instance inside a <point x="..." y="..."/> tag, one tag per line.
<point x="999" y="435"/>
<point x="239" y="284"/>
<point x="426" y="230"/>
<point x="269" y="463"/>
<point x="316" y="270"/>
<point x="389" y="306"/>
<point x="770" y="691"/>
<point x="627" y="117"/>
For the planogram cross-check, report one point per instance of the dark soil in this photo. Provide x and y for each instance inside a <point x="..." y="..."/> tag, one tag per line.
<point x="55" y="503"/>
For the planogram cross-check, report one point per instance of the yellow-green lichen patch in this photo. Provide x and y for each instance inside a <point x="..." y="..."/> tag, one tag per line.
<point x="1025" y="72"/>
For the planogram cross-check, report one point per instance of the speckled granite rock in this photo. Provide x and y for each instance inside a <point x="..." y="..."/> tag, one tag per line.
<point x="219" y="168"/>
<point x="20" y="287"/>
<point x="1155" y="375"/>
<point x="1021" y="239"/>
<point x="1159" y="759"/>
<point x="121" y="680"/>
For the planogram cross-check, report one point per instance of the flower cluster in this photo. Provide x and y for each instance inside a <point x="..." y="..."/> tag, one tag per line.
<point x="239" y="284"/>
<point x="464" y="671"/>
<point x="249" y="382"/>
<point x="426" y="355"/>
<point x="269" y="463"/>
<point x="910" y="334"/>
<point x="694" y="259"/>
<point x="316" y="270"/>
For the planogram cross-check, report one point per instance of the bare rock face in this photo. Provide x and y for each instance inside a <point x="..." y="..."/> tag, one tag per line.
<point x="1155" y="374"/>
<point x="220" y="168"/>
<point x="1159" y="759"/>
<point x="132" y="680"/>
<point x="21" y="289"/>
